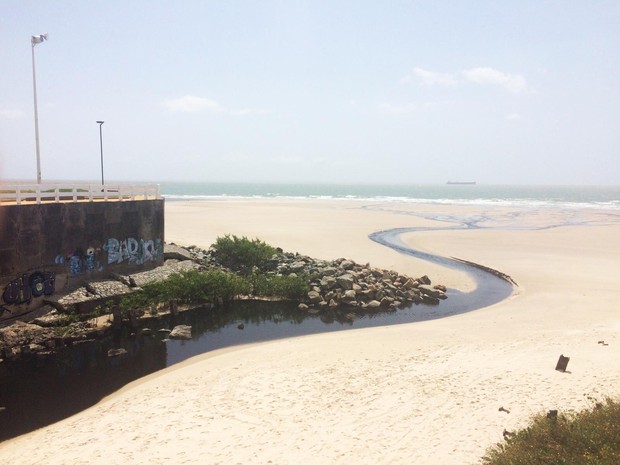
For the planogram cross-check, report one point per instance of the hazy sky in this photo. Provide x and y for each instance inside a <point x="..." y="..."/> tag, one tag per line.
<point x="524" y="92"/>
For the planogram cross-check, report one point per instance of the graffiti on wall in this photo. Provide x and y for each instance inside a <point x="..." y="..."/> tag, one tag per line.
<point x="29" y="285"/>
<point x="132" y="250"/>
<point x="79" y="261"/>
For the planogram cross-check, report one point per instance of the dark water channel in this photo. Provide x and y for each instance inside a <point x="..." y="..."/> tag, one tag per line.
<point x="38" y="392"/>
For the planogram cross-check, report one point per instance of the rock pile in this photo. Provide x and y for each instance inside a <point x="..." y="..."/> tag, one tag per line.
<point x="343" y="282"/>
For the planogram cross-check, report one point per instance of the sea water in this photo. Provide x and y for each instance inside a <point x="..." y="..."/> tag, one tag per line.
<point x="606" y="197"/>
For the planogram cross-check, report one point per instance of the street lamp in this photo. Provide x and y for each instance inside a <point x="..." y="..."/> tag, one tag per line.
<point x="100" y="123"/>
<point x="34" y="40"/>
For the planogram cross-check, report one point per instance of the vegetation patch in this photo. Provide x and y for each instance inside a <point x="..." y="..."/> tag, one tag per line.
<point x="241" y="254"/>
<point x="289" y="287"/>
<point x="190" y="287"/>
<point x="589" y="437"/>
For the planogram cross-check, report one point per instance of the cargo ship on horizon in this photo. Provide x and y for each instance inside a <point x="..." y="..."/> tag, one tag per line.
<point x="462" y="182"/>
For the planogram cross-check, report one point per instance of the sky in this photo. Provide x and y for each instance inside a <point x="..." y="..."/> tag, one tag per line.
<point x="510" y="92"/>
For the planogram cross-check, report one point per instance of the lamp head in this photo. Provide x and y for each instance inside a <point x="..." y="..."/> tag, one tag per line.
<point x="38" y="39"/>
<point x="99" y="122"/>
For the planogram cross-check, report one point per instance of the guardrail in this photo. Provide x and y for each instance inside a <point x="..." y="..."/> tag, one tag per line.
<point x="77" y="192"/>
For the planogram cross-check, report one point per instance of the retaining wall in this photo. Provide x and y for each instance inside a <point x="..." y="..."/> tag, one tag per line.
<point x="48" y="248"/>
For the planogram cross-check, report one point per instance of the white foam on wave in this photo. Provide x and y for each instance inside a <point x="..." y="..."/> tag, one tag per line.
<point x="508" y="202"/>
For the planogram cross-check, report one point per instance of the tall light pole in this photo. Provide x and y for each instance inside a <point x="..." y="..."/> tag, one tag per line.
<point x="34" y="40"/>
<point x="100" y="123"/>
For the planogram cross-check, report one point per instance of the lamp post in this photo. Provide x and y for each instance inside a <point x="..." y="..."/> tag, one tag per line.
<point x="34" y="40"/>
<point x="100" y="123"/>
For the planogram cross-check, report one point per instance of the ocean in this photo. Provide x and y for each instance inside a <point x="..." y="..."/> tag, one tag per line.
<point x="605" y="197"/>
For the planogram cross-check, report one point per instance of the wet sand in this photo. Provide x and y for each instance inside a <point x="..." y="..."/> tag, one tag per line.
<point x="424" y="393"/>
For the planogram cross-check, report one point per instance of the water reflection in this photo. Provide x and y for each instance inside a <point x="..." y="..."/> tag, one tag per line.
<point x="39" y="391"/>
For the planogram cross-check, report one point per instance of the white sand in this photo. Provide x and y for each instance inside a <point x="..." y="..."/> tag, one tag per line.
<point x="422" y="393"/>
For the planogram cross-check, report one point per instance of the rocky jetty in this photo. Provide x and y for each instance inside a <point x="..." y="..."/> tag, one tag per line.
<point x="335" y="284"/>
<point x="343" y="282"/>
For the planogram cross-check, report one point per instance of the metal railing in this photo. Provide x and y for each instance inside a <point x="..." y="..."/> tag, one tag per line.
<point x="22" y="193"/>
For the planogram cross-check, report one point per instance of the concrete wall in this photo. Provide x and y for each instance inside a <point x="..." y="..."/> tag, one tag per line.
<point x="52" y="247"/>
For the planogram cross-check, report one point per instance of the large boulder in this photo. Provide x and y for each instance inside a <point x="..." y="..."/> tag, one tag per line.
<point x="174" y="252"/>
<point x="181" y="332"/>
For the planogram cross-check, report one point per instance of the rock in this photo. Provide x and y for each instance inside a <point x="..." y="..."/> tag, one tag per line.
<point x="302" y="306"/>
<point x="432" y="292"/>
<point x="240" y="326"/>
<point x="349" y="295"/>
<point x="181" y="332"/>
<point x="429" y="299"/>
<point x="424" y="280"/>
<point x="20" y="334"/>
<point x="329" y="271"/>
<point x="116" y="352"/>
<point x="374" y="304"/>
<point x="174" y="252"/>
<point x="345" y="281"/>
<point x="327" y="283"/>
<point x="314" y="297"/>
<point x="298" y="266"/>
<point x="347" y="264"/>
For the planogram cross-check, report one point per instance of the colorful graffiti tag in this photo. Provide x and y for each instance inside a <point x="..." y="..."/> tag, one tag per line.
<point x="133" y="250"/>
<point x="29" y="285"/>
<point x="79" y="261"/>
<point x="130" y="250"/>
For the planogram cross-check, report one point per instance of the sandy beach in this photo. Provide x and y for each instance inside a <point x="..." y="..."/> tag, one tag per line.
<point x="419" y="393"/>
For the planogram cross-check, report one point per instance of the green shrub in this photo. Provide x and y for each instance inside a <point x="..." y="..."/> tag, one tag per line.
<point x="589" y="437"/>
<point x="191" y="287"/>
<point x="290" y="287"/>
<point x="137" y="299"/>
<point x="242" y="254"/>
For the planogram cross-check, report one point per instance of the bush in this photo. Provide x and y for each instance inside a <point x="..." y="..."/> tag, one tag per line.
<point x="191" y="287"/>
<point x="290" y="287"/>
<point x="242" y="254"/>
<point x="589" y="437"/>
